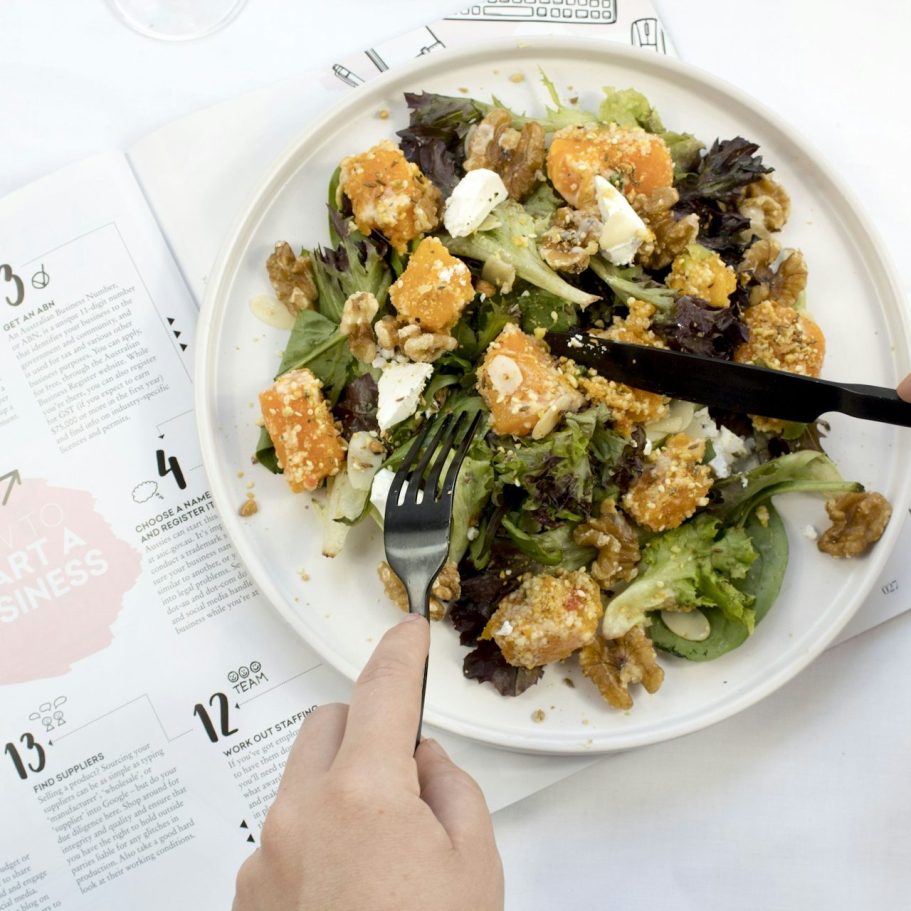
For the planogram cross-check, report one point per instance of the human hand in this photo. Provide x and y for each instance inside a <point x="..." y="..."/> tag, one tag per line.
<point x="362" y="822"/>
<point x="904" y="388"/>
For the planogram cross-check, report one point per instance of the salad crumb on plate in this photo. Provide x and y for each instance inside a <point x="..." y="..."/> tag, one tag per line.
<point x="593" y="522"/>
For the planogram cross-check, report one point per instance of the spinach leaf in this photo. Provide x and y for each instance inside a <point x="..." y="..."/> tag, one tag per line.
<point x="727" y="634"/>
<point x="761" y="583"/>
<point x="317" y="344"/>
<point x="265" y="452"/>
<point x="543" y="310"/>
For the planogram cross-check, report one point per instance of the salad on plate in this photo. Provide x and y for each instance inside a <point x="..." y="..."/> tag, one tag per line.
<point x="593" y="522"/>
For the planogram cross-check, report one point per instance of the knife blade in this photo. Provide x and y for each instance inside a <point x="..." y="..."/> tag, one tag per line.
<point x="728" y="385"/>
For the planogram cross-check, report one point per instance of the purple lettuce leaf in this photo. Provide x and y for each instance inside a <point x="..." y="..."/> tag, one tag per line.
<point x="698" y="328"/>
<point x="434" y="139"/>
<point x="486" y="664"/>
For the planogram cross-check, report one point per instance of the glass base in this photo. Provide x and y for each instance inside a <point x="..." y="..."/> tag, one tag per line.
<point x="176" y="20"/>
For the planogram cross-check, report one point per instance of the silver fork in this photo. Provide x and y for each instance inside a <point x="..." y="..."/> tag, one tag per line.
<point x="419" y="511"/>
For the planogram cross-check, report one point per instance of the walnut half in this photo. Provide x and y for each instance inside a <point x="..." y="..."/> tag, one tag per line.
<point x="614" y="665"/>
<point x="446" y="588"/>
<point x="617" y="543"/>
<point x="671" y="235"/>
<point x="766" y="203"/>
<point x="292" y="279"/>
<point x="516" y="155"/>
<point x="357" y="324"/>
<point x="571" y="240"/>
<point x="858" y="521"/>
<point x="414" y="343"/>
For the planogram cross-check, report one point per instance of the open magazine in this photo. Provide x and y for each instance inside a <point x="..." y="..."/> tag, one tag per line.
<point x="148" y="693"/>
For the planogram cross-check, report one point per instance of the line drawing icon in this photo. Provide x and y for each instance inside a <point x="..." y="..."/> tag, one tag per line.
<point x="41" y="279"/>
<point x="647" y="33"/>
<point x="347" y="76"/>
<point x="568" y="12"/>
<point x="145" y="490"/>
<point x="50" y="714"/>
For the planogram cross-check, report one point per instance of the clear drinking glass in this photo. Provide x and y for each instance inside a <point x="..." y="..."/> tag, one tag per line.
<point x="176" y="20"/>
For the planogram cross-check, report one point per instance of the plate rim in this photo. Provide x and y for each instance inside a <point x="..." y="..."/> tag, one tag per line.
<point x="892" y="310"/>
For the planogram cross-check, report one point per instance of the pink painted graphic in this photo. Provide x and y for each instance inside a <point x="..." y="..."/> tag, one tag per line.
<point x="63" y="577"/>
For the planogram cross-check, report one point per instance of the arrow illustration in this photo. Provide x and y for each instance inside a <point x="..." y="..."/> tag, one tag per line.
<point x="14" y="478"/>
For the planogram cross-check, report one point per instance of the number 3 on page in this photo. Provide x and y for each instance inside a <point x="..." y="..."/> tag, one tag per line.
<point x="7" y="275"/>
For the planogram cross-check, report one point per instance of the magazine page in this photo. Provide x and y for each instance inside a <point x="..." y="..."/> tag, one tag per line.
<point x="148" y="693"/>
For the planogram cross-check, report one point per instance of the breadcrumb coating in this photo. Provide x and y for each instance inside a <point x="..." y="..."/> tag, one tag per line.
<point x="308" y="445"/>
<point x="699" y="272"/>
<point x="389" y="194"/>
<point x="641" y="161"/>
<point x="434" y="288"/>
<point x="628" y="406"/>
<point x="673" y="485"/>
<point x="546" y="619"/>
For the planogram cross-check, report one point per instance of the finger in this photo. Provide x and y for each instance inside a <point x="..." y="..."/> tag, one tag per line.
<point x="455" y="798"/>
<point x="386" y="702"/>
<point x="904" y="388"/>
<point x="314" y="748"/>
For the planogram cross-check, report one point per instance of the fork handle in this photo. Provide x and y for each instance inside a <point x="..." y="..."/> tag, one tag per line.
<point x="419" y="603"/>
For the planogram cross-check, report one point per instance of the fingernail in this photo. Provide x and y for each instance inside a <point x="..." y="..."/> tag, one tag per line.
<point x="434" y="745"/>
<point x="904" y="388"/>
<point x="410" y="618"/>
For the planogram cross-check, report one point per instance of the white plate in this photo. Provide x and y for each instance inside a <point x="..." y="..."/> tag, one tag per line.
<point x="341" y="610"/>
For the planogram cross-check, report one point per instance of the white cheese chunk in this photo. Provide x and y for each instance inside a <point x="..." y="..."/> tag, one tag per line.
<point x="727" y="446"/>
<point x="379" y="490"/>
<point x="624" y="231"/>
<point x="400" y="386"/>
<point x="475" y="196"/>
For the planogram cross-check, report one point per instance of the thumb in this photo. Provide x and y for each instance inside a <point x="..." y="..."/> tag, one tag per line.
<point x="904" y="388"/>
<point x="454" y="797"/>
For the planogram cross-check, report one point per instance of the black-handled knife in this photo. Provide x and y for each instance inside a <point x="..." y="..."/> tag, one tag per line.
<point x="727" y="385"/>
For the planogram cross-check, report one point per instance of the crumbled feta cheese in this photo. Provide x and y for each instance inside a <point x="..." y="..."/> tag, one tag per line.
<point x="810" y="533"/>
<point x="400" y="386"/>
<point x="702" y="427"/>
<point x="624" y="231"/>
<point x="475" y="196"/>
<point x="472" y="533"/>
<point x="728" y="447"/>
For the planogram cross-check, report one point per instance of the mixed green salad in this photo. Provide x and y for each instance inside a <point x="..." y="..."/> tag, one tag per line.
<point x="592" y="521"/>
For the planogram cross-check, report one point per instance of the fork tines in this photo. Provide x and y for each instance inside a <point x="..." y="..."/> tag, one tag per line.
<point x="424" y="477"/>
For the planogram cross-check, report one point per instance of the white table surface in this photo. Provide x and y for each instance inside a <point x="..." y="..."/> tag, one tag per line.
<point x="802" y="802"/>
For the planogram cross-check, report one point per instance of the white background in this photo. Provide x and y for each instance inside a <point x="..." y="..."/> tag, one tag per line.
<point x="801" y="802"/>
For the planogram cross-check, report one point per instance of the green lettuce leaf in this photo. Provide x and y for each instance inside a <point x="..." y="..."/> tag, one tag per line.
<point x="735" y="497"/>
<point x="695" y="565"/>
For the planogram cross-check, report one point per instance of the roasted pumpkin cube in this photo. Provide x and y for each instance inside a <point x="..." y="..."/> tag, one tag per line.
<point x="389" y="194"/>
<point x="522" y="385"/>
<point x="308" y="446"/>
<point x="640" y="161"/>
<point x="434" y="288"/>
<point x="546" y="619"/>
